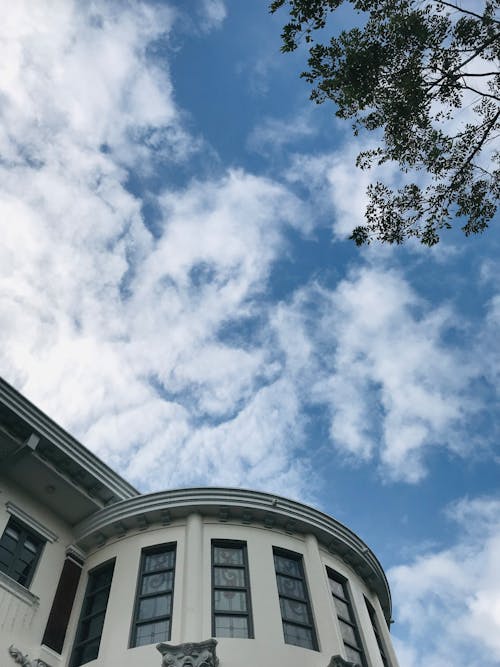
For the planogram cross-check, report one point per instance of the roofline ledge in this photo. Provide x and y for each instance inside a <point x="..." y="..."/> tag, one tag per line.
<point x="241" y="505"/>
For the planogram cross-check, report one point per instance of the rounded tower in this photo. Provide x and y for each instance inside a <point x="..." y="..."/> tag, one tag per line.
<point x="210" y="576"/>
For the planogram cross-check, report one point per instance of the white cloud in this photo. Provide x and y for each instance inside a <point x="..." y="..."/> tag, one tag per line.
<point x="111" y="330"/>
<point x="271" y="135"/>
<point x="448" y="601"/>
<point x="338" y="186"/>
<point x="376" y="355"/>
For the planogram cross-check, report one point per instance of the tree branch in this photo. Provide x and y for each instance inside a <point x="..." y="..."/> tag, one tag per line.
<point x="476" y="150"/>
<point x="464" y="11"/>
<point x="479" y="92"/>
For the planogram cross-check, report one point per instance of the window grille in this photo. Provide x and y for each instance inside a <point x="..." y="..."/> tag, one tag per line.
<point x="231" y="601"/>
<point x="154" y="599"/>
<point x="90" y="624"/>
<point x="296" y="614"/>
<point x="347" y="620"/>
<point x="20" y="550"/>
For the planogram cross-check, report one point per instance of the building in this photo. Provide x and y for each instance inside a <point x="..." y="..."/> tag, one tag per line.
<point x="93" y="572"/>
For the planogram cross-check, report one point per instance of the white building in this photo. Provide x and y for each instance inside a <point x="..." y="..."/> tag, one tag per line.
<point x="93" y="572"/>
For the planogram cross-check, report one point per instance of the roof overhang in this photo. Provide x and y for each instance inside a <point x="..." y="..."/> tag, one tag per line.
<point x="50" y="464"/>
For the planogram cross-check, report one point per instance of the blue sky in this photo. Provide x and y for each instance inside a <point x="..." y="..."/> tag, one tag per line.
<point x="177" y="290"/>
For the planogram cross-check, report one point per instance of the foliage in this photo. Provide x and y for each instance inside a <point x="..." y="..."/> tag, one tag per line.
<point x="424" y="74"/>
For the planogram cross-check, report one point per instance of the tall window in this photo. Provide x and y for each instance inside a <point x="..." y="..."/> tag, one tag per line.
<point x="231" y="604"/>
<point x="377" y="633"/>
<point x="155" y="592"/>
<point x="89" y="630"/>
<point x="347" y="620"/>
<point x="20" y="550"/>
<point x="298" y="626"/>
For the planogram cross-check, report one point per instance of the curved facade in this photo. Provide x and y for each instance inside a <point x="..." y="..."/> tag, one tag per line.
<point x="273" y="581"/>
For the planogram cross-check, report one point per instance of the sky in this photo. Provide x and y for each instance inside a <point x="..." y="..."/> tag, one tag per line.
<point x="178" y="291"/>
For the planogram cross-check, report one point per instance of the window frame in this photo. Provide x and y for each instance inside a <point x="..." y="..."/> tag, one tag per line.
<point x="25" y="533"/>
<point x="74" y="660"/>
<point x="377" y="632"/>
<point x="148" y="551"/>
<point x="299" y="559"/>
<point x="248" y="614"/>
<point x="354" y="624"/>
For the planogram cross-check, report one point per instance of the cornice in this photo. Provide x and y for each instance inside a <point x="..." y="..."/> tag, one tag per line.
<point x="57" y="436"/>
<point x="243" y="506"/>
<point x="28" y="520"/>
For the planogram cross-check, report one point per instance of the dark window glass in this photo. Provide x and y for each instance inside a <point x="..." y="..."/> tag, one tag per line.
<point x="348" y="628"/>
<point x="89" y="630"/>
<point x="20" y="550"/>
<point x="231" y="604"/>
<point x="298" y="627"/>
<point x="155" y="590"/>
<point x="376" y="630"/>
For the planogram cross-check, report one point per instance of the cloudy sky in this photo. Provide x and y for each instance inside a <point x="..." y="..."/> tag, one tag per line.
<point x="177" y="290"/>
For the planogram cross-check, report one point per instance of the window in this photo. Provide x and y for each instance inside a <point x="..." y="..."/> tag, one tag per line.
<point x="20" y="550"/>
<point x="298" y="627"/>
<point x="155" y="592"/>
<point x="347" y="621"/>
<point x="231" y="604"/>
<point x="95" y="602"/>
<point x="376" y="630"/>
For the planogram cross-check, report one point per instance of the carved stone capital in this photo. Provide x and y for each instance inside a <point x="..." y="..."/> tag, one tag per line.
<point x="339" y="661"/>
<point x="23" y="660"/>
<point x="193" y="654"/>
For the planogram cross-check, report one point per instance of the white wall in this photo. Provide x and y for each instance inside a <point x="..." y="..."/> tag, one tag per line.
<point x="191" y="619"/>
<point x="23" y="618"/>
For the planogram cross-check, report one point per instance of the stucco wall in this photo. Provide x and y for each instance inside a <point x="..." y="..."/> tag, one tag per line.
<point x="191" y="620"/>
<point x="23" y="614"/>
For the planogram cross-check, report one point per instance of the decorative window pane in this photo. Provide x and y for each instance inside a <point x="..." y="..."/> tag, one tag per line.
<point x="231" y="626"/>
<point x="291" y="610"/>
<point x="293" y="588"/>
<point x="231" y="605"/>
<point x="159" y="561"/>
<point x="228" y="556"/>
<point x="89" y="630"/>
<point x="229" y="576"/>
<point x="157" y="583"/>
<point x="153" y="607"/>
<point x="298" y="628"/>
<point x="348" y="628"/>
<point x="298" y="636"/>
<point x="287" y="566"/>
<point x="342" y="609"/>
<point x="20" y="551"/>
<point x="230" y="601"/>
<point x="151" y="633"/>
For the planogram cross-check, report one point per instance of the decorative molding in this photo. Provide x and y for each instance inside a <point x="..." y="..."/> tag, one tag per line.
<point x="195" y="654"/>
<point x="31" y="522"/>
<point x="246" y="518"/>
<point x="239" y="505"/>
<point x="23" y="660"/>
<point x="338" y="661"/>
<point x="75" y="554"/>
<point x="59" y="439"/>
<point x="13" y="587"/>
<point x="120" y="529"/>
<point x="224" y="514"/>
